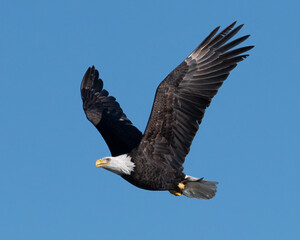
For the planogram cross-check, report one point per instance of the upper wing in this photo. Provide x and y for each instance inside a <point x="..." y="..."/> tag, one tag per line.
<point x="183" y="96"/>
<point x="107" y="116"/>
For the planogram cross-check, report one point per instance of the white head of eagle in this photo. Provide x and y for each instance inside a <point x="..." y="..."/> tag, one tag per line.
<point x="121" y="165"/>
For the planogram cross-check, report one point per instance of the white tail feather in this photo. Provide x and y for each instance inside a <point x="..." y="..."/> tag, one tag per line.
<point x="199" y="188"/>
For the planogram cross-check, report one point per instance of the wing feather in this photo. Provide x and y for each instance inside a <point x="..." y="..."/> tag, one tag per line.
<point x="183" y="96"/>
<point x="107" y="116"/>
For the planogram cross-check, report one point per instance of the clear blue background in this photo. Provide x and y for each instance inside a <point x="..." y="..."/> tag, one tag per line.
<point x="248" y="141"/>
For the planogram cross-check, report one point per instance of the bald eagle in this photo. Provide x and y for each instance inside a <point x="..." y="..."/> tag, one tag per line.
<point x="154" y="160"/>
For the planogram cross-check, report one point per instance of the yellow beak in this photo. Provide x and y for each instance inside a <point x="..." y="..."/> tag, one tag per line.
<point x="100" y="163"/>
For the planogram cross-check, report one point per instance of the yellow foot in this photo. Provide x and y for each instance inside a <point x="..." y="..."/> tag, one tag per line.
<point x="178" y="191"/>
<point x="174" y="192"/>
<point x="181" y="186"/>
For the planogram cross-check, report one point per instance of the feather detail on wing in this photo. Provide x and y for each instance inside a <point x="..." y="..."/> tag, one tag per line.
<point x="107" y="116"/>
<point x="183" y="96"/>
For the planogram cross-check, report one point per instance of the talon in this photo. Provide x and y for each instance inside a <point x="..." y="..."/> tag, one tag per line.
<point x="178" y="191"/>
<point x="174" y="192"/>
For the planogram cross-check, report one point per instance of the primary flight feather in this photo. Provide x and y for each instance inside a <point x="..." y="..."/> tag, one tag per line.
<point x="154" y="160"/>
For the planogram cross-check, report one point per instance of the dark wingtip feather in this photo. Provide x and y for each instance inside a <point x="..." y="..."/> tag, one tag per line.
<point x="231" y="25"/>
<point x="235" y="52"/>
<point x="84" y="82"/>
<point x="245" y="37"/>
<point x="233" y="43"/>
<point x="222" y="35"/>
<point x="91" y="80"/>
<point x="208" y="38"/>
<point x="228" y="28"/>
<point x="250" y="47"/>
<point x="237" y="29"/>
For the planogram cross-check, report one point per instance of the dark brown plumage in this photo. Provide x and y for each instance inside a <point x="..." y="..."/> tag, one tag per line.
<point x="178" y="109"/>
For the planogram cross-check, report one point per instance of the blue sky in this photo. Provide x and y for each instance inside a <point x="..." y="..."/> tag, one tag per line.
<point x="248" y="140"/>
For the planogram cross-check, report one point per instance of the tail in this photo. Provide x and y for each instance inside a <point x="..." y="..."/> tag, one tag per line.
<point x="199" y="188"/>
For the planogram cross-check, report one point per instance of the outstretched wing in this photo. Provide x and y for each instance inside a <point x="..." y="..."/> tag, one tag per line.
<point x="183" y="96"/>
<point x="107" y="116"/>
